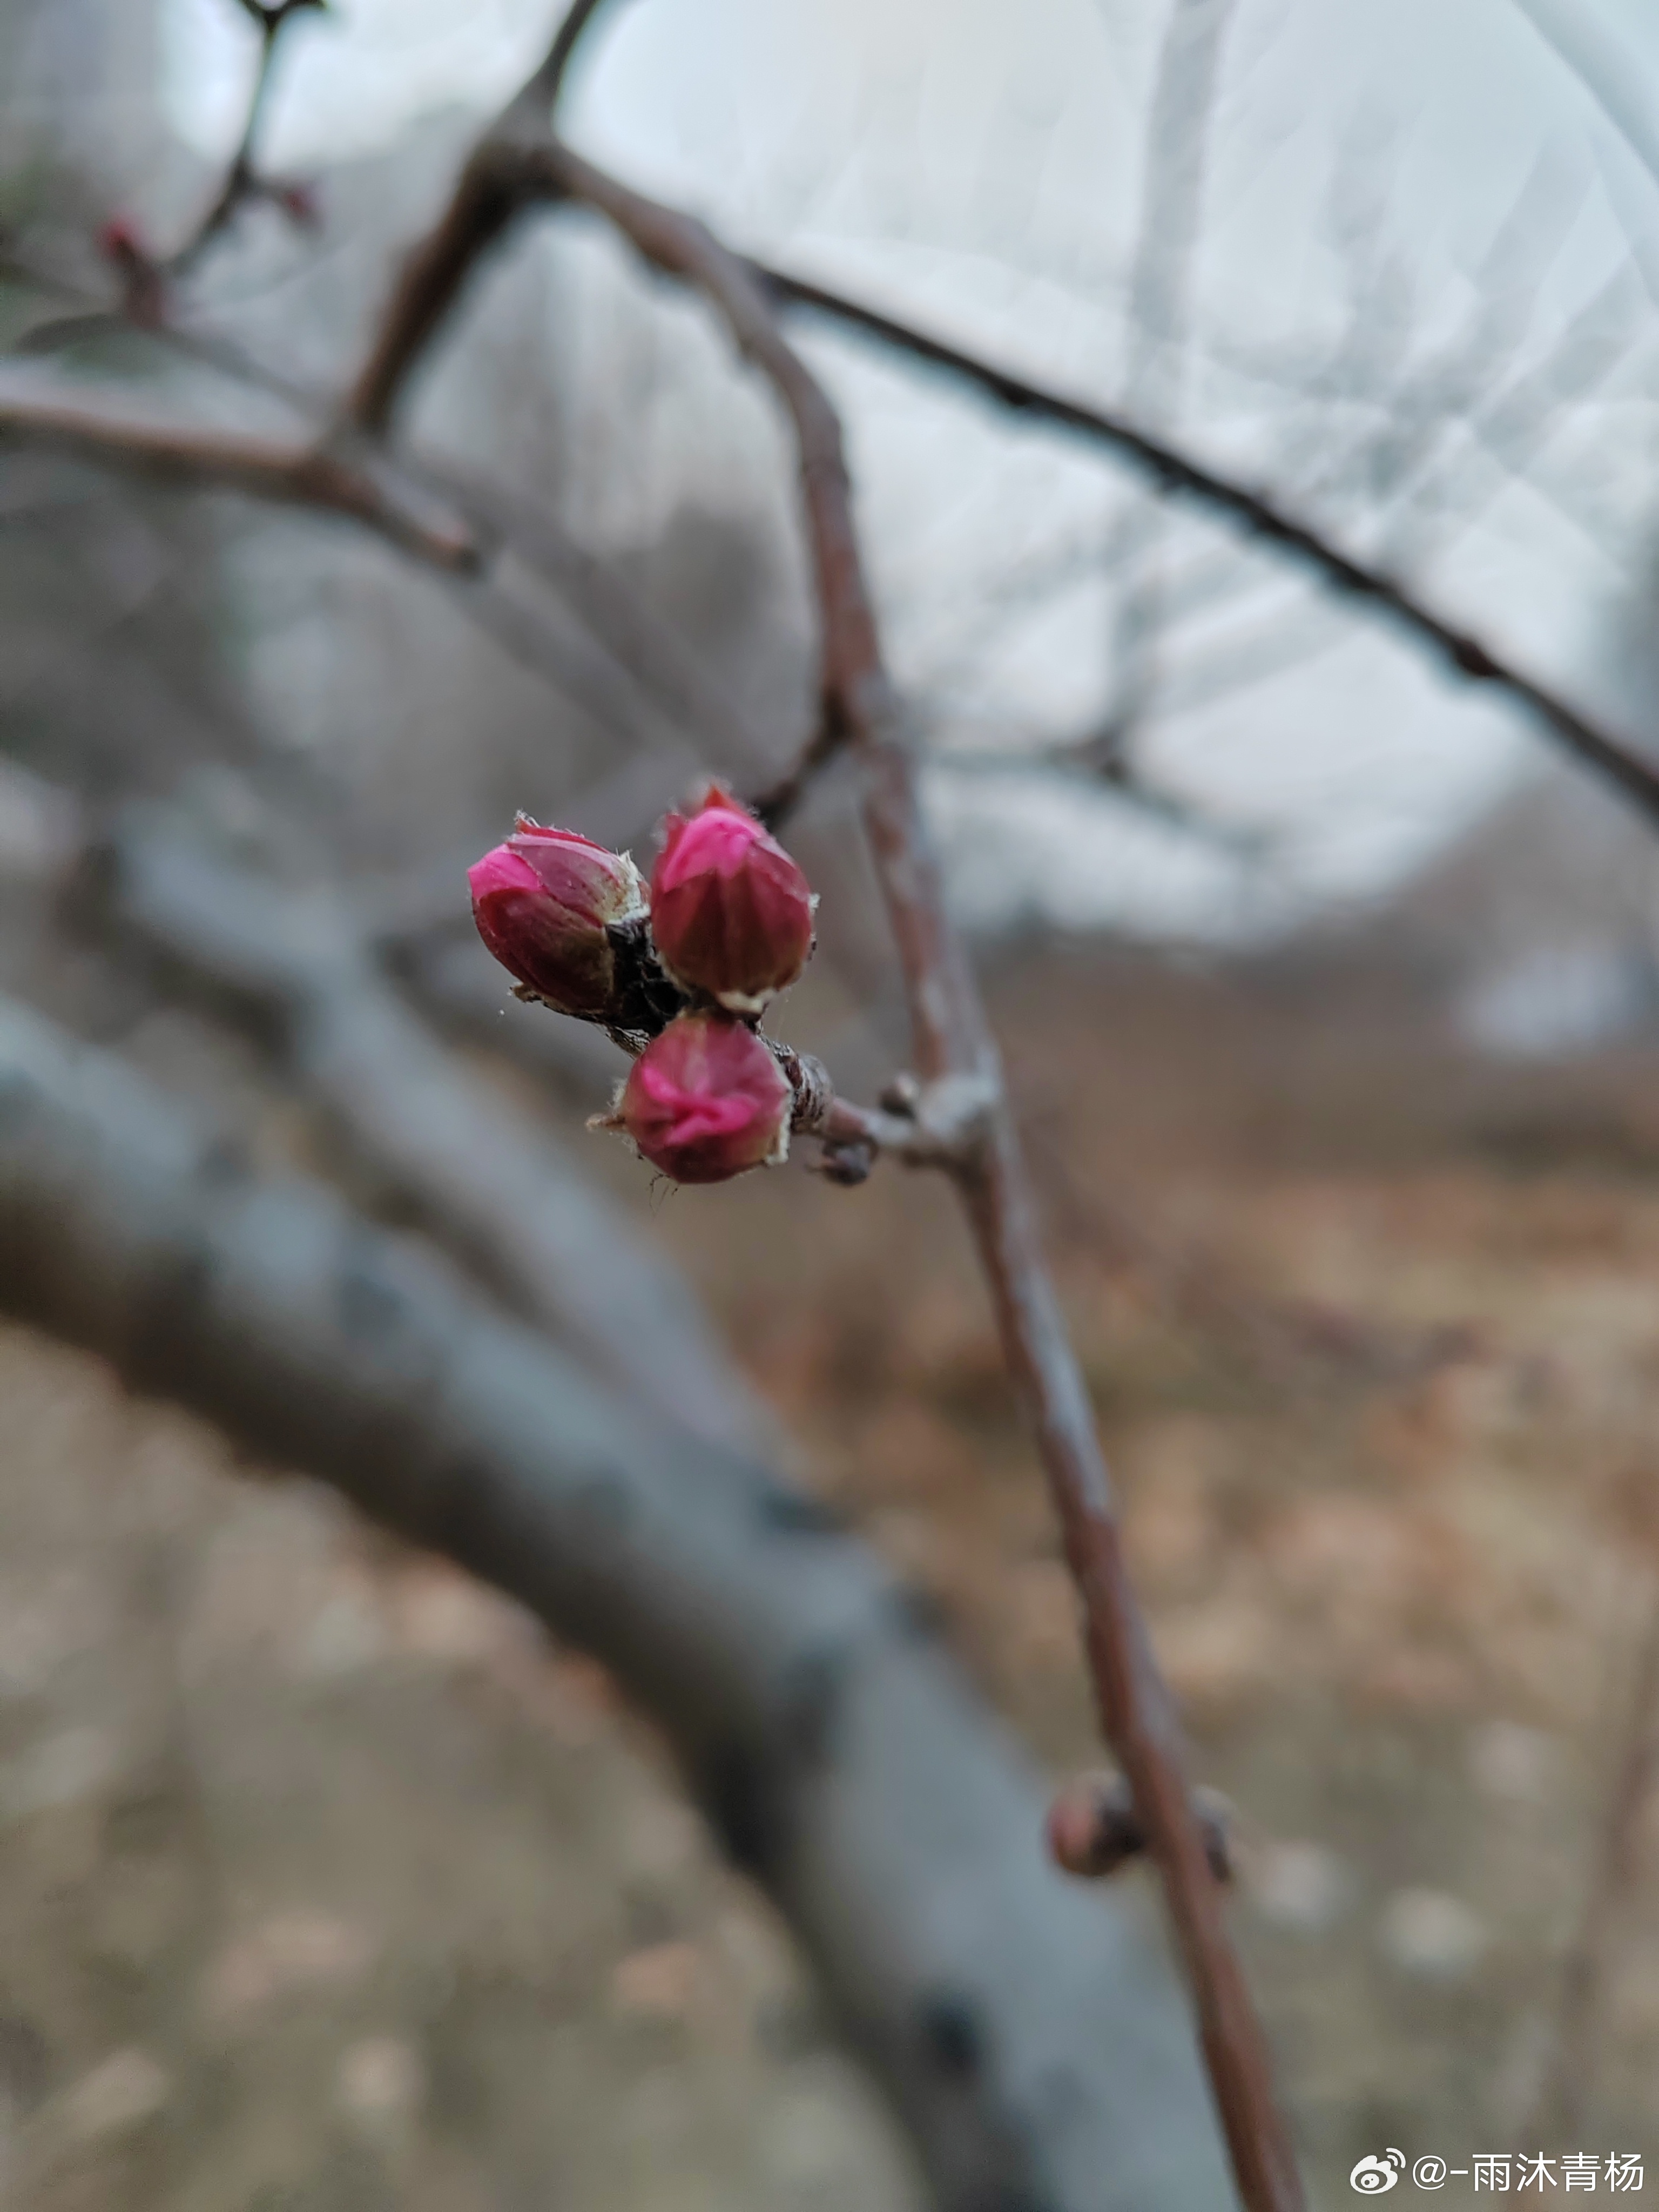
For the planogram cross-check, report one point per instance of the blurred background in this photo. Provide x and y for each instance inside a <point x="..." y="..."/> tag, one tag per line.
<point x="1329" y="991"/>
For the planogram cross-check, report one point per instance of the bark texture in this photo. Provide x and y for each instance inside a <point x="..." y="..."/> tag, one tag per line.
<point x="1030" y="2032"/>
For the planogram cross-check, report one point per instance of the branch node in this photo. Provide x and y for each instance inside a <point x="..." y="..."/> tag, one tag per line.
<point x="900" y="1095"/>
<point x="1094" y="1829"/>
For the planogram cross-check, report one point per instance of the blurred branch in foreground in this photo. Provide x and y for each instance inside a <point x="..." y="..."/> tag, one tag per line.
<point x="826" y="1734"/>
<point x="492" y="1180"/>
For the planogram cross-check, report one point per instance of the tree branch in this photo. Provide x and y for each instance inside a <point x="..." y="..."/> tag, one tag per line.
<point x="491" y="189"/>
<point x="548" y="82"/>
<point x="832" y="1744"/>
<point x="952" y="1044"/>
<point x="294" y="475"/>
<point x="242" y="182"/>
<point x="600" y="645"/>
<point x="1178" y="125"/>
<point x="1260" y="516"/>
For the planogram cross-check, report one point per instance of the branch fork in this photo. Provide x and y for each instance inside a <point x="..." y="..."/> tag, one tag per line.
<point x="945" y="1124"/>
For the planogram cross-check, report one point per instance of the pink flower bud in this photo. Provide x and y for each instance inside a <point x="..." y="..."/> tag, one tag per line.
<point x="705" y="1100"/>
<point x="546" y="903"/>
<point x="730" y="910"/>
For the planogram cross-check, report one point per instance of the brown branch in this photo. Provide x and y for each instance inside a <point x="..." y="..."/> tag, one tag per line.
<point x="487" y="196"/>
<point x="1178" y="127"/>
<point x="547" y="82"/>
<point x="494" y="184"/>
<point x="601" y="645"/>
<point x="780" y="799"/>
<point x="295" y="476"/>
<point x="952" y="1044"/>
<point x="516" y="164"/>
<point x="242" y="181"/>
<point x="1260" y="516"/>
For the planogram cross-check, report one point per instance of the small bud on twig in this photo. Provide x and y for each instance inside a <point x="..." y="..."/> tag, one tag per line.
<point x="1093" y="1827"/>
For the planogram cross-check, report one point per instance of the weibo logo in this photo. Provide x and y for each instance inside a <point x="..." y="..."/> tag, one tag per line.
<point x="1373" y="2176"/>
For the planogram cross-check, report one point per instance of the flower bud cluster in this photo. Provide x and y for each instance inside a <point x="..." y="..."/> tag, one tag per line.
<point x="679" y="971"/>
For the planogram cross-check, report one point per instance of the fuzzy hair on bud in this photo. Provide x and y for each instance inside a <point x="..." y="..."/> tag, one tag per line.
<point x="730" y="912"/>
<point x="545" y="902"/>
<point x="705" y="1101"/>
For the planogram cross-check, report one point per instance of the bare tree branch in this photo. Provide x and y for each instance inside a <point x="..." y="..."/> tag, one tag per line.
<point x="293" y="476"/>
<point x="1261" y="517"/>
<point x="492" y="187"/>
<point x="242" y="181"/>
<point x="1172" y="194"/>
<point x="1027" y="2030"/>
<point x="598" y="644"/>
<point x="953" y="1045"/>
<point x="473" y="224"/>
<point x="547" y="82"/>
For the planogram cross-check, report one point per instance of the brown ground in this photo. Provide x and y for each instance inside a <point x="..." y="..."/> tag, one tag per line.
<point x="325" y="1884"/>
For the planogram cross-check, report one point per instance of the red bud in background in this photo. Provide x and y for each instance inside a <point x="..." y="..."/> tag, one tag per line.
<point x="545" y="902"/>
<point x="730" y="910"/>
<point x="143" y="293"/>
<point x="118" y="241"/>
<point x="300" y="201"/>
<point x="705" y="1100"/>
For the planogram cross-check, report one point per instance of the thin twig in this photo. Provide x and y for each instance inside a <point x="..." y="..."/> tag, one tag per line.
<point x="296" y="475"/>
<point x="1093" y="761"/>
<point x="242" y="181"/>
<point x="547" y="82"/>
<point x="492" y="189"/>
<point x="953" y="1047"/>
<point x="504" y="175"/>
<point x="1261" y="517"/>
<point x="1606" y="70"/>
<point x="1171" y="207"/>
<point x="1565" y="2093"/>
